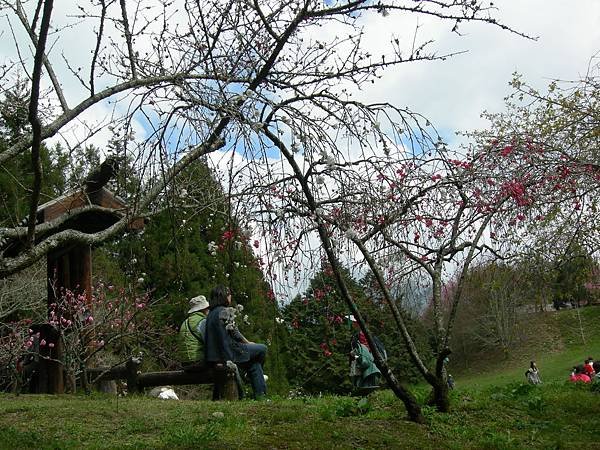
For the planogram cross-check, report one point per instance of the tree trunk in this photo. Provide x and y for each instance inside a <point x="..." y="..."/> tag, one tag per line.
<point x="439" y="396"/>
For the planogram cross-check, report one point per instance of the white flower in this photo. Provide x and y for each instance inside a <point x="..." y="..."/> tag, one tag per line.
<point x="212" y="247"/>
<point x="140" y="280"/>
<point x="239" y="307"/>
<point x="279" y="320"/>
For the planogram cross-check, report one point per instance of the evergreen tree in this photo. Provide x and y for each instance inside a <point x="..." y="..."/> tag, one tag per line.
<point x="16" y="175"/>
<point x="318" y="344"/>
<point x="191" y="246"/>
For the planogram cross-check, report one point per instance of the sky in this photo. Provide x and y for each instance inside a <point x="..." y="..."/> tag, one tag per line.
<point x="453" y="93"/>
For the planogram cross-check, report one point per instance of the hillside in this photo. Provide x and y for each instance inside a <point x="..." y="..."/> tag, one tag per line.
<point x="552" y="338"/>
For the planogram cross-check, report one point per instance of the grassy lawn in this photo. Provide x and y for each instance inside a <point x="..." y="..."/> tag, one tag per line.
<point x="554" y="415"/>
<point x="554" y="342"/>
<point x="494" y="410"/>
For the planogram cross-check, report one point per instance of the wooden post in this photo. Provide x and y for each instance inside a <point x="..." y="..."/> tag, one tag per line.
<point x="230" y="391"/>
<point x="225" y="384"/>
<point x="131" y="367"/>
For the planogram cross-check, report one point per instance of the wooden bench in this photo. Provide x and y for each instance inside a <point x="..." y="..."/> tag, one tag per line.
<point x="222" y="377"/>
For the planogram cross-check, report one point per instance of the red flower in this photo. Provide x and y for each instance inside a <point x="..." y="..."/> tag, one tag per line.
<point x="228" y="235"/>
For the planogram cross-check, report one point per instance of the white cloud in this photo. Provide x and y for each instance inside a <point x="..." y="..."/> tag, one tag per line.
<point x="454" y="92"/>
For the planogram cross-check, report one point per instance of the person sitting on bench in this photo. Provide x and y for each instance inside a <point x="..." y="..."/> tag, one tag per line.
<point x="225" y="343"/>
<point x="191" y="334"/>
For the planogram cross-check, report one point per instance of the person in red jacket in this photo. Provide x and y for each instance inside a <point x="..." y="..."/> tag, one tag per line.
<point x="578" y="375"/>
<point x="588" y="367"/>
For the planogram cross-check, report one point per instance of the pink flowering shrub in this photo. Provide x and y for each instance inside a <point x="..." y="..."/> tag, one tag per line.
<point x="16" y="341"/>
<point x="110" y="321"/>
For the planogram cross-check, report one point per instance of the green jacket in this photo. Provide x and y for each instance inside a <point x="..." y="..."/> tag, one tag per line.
<point x="191" y="344"/>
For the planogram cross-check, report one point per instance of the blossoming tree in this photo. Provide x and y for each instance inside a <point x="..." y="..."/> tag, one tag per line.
<point x="245" y="76"/>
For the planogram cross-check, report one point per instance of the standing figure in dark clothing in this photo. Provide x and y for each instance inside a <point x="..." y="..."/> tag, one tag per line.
<point x="363" y="371"/>
<point x="224" y="342"/>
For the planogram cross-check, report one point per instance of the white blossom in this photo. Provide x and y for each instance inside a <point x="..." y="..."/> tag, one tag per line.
<point x="212" y="247"/>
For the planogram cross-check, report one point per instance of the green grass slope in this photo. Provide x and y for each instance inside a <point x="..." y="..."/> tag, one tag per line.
<point x="556" y="340"/>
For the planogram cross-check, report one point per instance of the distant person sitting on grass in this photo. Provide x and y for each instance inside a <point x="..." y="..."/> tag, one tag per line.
<point x="533" y="374"/>
<point x="596" y="366"/>
<point x="577" y="375"/>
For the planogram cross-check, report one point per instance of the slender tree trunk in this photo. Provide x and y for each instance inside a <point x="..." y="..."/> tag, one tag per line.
<point x="440" y="396"/>
<point x="410" y="402"/>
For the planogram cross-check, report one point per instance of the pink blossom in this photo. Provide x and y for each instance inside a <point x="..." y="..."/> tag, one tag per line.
<point x="43" y="342"/>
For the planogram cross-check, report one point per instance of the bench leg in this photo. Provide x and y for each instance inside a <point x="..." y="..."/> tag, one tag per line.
<point x="225" y="386"/>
